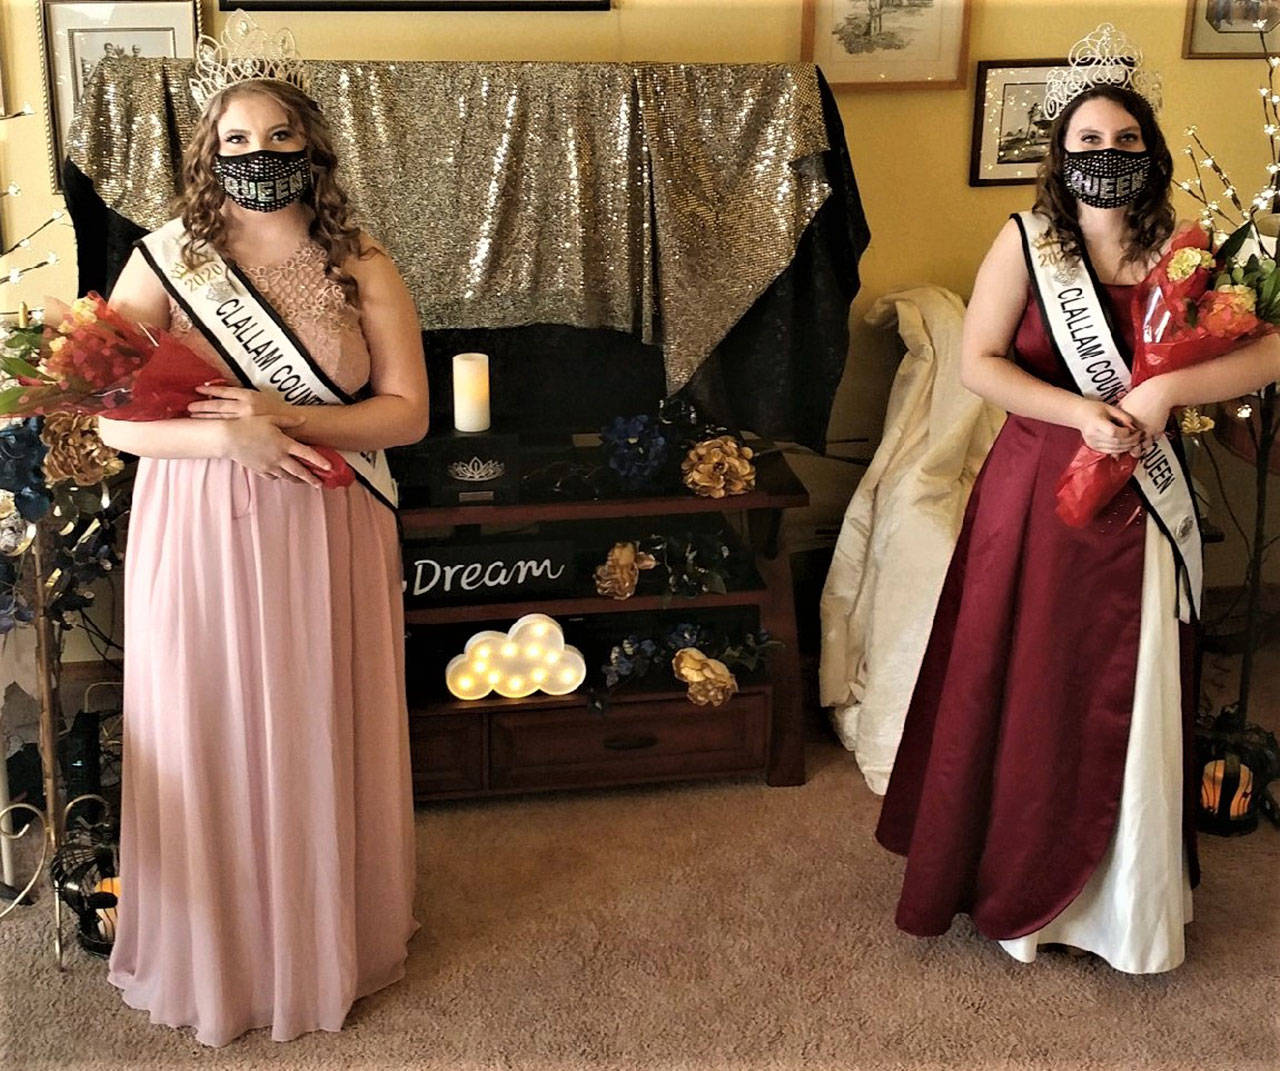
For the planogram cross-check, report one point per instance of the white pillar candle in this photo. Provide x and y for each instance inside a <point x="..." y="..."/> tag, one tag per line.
<point x="471" y="392"/>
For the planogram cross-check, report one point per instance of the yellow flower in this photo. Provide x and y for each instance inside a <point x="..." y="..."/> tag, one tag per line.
<point x="82" y="311"/>
<point x="56" y="344"/>
<point x="1186" y="261"/>
<point x="1242" y="298"/>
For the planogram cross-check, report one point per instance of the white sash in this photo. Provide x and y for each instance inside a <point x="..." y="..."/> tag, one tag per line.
<point x="1082" y="336"/>
<point x="253" y="340"/>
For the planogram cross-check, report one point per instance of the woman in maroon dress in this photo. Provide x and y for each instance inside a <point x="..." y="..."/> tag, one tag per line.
<point x="1039" y="784"/>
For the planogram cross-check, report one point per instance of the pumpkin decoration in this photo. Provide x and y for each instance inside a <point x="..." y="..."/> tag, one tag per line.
<point x="76" y="453"/>
<point x="104" y="899"/>
<point x="709" y="680"/>
<point x="719" y="467"/>
<point x="618" y="576"/>
<point x="1226" y="790"/>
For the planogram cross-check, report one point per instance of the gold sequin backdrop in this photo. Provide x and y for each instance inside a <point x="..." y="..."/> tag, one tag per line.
<point x="659" y="199"/>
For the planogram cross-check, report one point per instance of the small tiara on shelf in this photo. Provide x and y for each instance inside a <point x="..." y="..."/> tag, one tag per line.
<point x="476" y="471"/>
<point x="246" y="53"/>
<point x="1105" y="57"/>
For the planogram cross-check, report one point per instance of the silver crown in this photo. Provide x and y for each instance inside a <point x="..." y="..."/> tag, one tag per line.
<point x="1104" y="57"/>
<point x="246" y="53"/>
<point x="476" y="471"/>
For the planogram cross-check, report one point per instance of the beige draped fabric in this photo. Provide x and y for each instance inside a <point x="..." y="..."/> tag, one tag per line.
<point x="900" y="530"/>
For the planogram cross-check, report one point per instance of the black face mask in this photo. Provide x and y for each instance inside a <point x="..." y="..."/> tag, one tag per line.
<point x="1106" y="178"/>
<point x="266" y="180"/>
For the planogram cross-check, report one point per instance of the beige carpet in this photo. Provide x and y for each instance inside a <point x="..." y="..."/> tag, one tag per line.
<point x="712" y="926"/>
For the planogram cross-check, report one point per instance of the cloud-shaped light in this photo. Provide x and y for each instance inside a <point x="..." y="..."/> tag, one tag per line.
<point x="530" y="656"/>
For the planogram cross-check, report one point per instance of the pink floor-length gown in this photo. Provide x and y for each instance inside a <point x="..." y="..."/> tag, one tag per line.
<point x="266" y="848"/>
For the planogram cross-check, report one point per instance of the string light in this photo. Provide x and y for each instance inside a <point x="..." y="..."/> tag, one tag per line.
<point x="25" y="242"/>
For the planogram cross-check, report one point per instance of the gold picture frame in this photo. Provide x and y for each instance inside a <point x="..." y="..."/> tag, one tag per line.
<point x="74" y="34"/>
<point x="1224" y="29"/>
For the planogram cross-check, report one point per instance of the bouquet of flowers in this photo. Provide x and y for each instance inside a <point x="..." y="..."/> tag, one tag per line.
<point x="95" y="362"/>
<point x="1193" y="306"/>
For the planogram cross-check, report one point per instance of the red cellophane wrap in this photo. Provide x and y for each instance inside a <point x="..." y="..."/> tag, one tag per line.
<point x="1177" y="323"/>
<point x="116" y="369"/>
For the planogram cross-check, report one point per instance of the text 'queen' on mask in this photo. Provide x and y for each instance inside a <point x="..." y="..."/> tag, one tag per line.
<point x="266" y="180"/>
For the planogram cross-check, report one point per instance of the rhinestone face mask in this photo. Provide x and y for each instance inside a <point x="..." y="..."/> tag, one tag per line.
<point x="266" y="180"/>
<point x="1106" y="178"/>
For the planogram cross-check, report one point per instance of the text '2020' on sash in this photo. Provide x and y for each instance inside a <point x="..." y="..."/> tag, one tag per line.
<point x="254" y="340"/>
<point x="1082" y="335"/>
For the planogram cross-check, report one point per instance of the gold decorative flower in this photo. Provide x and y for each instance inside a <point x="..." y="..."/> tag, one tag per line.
<point x="719" y="467"/>
<point x="709" y="680"/>
<point x="618" y="576"/>
<point x="1187" y="261"/>
<point x="76" y="453"/>
<point x="1194" y="422"/>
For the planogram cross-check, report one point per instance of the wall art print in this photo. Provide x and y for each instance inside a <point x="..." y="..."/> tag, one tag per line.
<point x="76" y="34"/>
<point x="898" y="44"/>
<point x="1230" y="29"/>
<point x="1010" y="131"/>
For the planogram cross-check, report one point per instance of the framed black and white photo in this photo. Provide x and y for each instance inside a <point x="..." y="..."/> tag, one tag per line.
<point x="894" y="44"/>
<point x="1230" y="29"/>
<point x="76" y="34"/>
<point x="414" y="5"/>
<point x="1010" y="131"/>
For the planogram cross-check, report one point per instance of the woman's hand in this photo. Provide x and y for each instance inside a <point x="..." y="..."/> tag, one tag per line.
<point x="259" y="444"/>
<point x="226" y="403"/>
<point x="1149" y="405"/>
<point x="1108" y="429"/>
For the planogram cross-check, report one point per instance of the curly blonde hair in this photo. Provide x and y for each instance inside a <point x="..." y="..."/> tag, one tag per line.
<point x="200" y="203"/>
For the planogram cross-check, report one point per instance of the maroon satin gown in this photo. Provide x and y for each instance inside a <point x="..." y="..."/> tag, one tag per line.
<point x="1006" y="787"/>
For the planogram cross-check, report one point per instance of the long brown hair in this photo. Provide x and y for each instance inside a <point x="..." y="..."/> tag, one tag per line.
<point x="1149" y="218"/>
<point x="333" y="225"/>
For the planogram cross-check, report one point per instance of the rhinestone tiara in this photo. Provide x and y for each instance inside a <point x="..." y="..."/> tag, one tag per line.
<point x="246" y="53"/>
<point x="1104" y="57"/>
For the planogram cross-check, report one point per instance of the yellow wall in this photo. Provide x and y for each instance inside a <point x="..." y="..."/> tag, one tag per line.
<point x="910" y="148"/>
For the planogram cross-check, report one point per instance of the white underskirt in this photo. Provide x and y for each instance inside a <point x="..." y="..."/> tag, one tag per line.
<point x="1133" y="909"/>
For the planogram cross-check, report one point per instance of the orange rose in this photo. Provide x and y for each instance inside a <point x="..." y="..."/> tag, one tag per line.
<point x="1228" y="311"/>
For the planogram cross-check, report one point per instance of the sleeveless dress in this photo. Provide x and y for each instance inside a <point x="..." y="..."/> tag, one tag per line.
<point x="266" y="847"/>
<point x="1040" y="784"/>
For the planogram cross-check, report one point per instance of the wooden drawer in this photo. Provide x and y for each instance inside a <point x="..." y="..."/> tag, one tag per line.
<point x="447" y="753"/>
<point x="640" y="741"/>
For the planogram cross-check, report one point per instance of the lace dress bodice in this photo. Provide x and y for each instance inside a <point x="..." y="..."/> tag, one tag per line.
<point x="314" y="307"/>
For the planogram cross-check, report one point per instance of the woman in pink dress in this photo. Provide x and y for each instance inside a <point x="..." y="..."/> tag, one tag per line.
<point x="267" y="851"/>
<point x="1041" y="783"/>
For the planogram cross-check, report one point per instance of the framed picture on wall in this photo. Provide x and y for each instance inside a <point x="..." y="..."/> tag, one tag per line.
<point x="1010" y="132"/>
<point x="414" y="5"/>
<point x="1230" y="29"/>
<point x="895" y="44"/>
<point x="76" y="34"/>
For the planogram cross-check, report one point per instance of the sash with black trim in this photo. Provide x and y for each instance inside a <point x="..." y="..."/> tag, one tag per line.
<point x="1082" y="335"/>
<point x="254" y="340"/>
